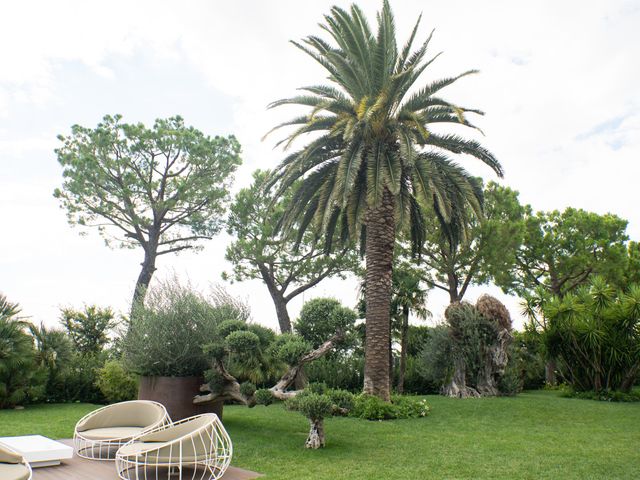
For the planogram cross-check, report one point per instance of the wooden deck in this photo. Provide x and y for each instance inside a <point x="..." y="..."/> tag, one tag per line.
<point x="80" y="469"/>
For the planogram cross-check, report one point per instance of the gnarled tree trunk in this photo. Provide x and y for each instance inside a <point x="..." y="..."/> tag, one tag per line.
<point x="315" y="439"/>
<point x="457" y="387"/>
<point x="231" y="387"/>
<point x="380" y="239"/>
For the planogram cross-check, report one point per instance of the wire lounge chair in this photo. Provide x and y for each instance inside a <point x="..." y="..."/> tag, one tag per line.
<point x="13" y="466"/>
<point x="99" y="434"/>
<point x="194" y="448"/>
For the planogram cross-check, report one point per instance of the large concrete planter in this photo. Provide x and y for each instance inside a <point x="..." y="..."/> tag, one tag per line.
<point x="176" y="394"/>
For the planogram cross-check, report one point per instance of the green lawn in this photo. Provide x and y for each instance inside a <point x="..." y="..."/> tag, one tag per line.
<point x="533" y="436"/>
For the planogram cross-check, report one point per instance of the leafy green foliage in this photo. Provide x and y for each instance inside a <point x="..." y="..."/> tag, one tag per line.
<point x="264" y="397"/>
<point x="146" y="181"/>
<point x="168" y="333"/>
<point x="242" y="342"/>
<point x="371" y="136"/>
<point x="338" y="372"/>
<point x="321" y="318"/>
<point x="596" y="333"/>
<point x="20" y="378"/>
<point x="115" y="383"/>
<point x="472" y="251"/>
<point x="247" y="389"/>
<point x="288" y="264"/>
<point x="314" y="406"/>
<point x="563" y="250"/>
<point x="89" y="329"/>
<point x="342" y="400"/>
<point x="370" y="407"/>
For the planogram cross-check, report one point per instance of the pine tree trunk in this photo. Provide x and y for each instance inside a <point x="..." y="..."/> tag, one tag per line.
<point x="404" y="340"/>
<point x="283" y="315"/>
<point x="379" y="260"/>
<point x="144" y="279"/>
<point x="315" y="439"/>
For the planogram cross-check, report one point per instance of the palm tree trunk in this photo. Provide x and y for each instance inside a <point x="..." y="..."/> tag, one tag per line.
<point x="404" y="340"/>
<point x="379" y="258"/>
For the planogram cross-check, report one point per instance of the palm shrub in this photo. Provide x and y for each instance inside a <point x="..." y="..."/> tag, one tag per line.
<point x="21" y="379"/>
<point x="596" y="334"/>
<point x="375" y="164"/>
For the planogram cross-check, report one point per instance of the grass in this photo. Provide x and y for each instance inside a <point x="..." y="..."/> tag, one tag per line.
<point x="537" y="435"/>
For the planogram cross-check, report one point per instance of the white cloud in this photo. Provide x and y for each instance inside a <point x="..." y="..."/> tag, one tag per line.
<point x="552" y="73"/>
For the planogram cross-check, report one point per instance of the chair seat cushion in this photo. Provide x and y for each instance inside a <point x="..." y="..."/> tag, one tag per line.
<point x="13" y="471"/>
<point x="162" y="453"/>
<point x="111" y="433"/>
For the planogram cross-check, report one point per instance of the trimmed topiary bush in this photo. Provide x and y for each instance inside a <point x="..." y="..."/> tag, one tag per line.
<point x="264" y="397"/>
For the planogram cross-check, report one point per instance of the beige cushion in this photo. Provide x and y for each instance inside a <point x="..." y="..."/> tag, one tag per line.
<point x="163" y="453"/>
<point x="9" y="456"/>
<point x="126" y="414"/>
<point x="176" y="431"/>
<point x="13" y="471"/>
<point x="111" y="433"/>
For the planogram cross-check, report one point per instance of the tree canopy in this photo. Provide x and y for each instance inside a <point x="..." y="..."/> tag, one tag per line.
<point x="288" y="264"/>
<point x="163" y="188"/>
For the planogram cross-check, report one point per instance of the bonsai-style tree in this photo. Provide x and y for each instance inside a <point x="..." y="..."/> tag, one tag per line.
<point x="289" y="265"/>
<point x="162" y="189"/>
<point x="315" y="407"/>
<point x="374" y="161"/>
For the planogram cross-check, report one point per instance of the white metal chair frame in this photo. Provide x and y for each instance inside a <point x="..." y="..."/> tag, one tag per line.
<point x="23" y="462"/>
<point x="92" y="449"/>
<point x="213" y="461"/>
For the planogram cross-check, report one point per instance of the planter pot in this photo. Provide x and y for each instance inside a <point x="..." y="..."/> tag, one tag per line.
<point x="176" y="394"/>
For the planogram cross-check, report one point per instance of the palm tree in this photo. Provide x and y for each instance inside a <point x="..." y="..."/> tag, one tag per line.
<point x="407" y="296"/>
<point x="374" y="163"/>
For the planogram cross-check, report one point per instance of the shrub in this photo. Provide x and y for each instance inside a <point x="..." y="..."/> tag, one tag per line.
<point x="167" y="333"/>
<point x="319" y="388"/>
<point x="289" y="348"/>
<point x="242" y="342"/>
<point x="247" y="389"/>
<point x="370" y="407"/>
<point x="321" y="318"/>
<point x="115" y="383"/>
<point x="228" y="326"/>
<point x="596" y="333"/>
<point x="264" y="397"/>
<point x="409" y="407"/>
<point x="21" y="380"/>
<point x="339" y="372"/>
<point x="314" y="406"/>
<point x="342" y="401"/>
<point x="603" y="395"/>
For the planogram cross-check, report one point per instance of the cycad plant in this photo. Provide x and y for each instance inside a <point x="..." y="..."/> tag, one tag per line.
<point x="374" y="162"/>
<point x="19" y="376"/>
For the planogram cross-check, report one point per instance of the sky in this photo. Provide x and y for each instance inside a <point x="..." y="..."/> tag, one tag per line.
<point x="558" y="82"/>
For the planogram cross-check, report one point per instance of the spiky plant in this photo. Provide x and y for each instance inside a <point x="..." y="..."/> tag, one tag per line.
<point x="375" y="163"/>
<point x="17" y="356"/>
